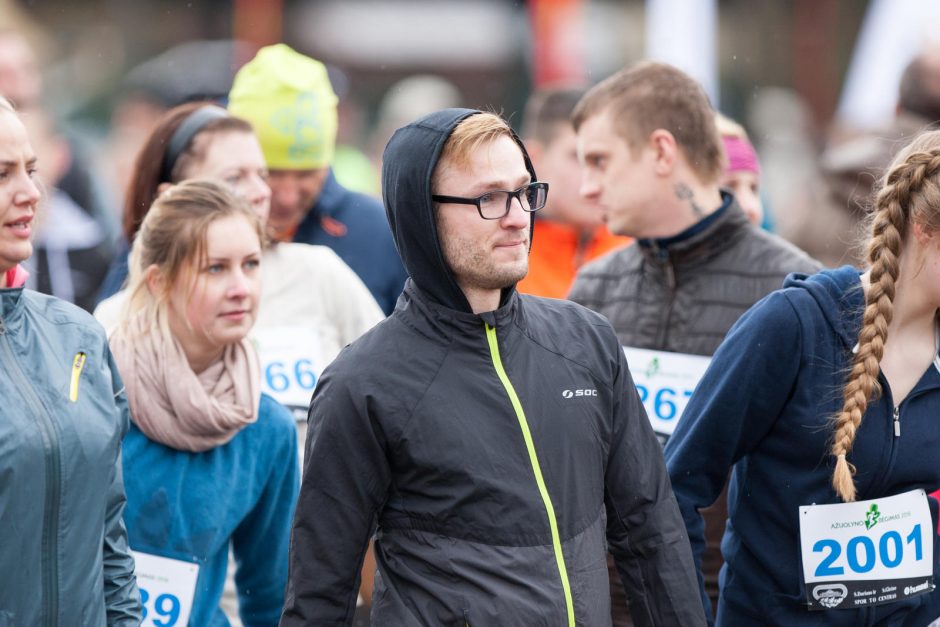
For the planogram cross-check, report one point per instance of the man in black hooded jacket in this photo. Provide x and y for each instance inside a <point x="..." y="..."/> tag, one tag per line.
<point x="493" y="442"/>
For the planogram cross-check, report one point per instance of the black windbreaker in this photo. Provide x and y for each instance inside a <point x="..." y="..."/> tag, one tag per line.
<point x="495" y="455"/>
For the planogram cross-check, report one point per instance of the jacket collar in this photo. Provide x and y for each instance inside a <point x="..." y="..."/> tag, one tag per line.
<point x="703" y="240"/>
<point x="330" y="197"/>
<point x="448" y="323"/>
<point x="328" y="203"/>
<point x="11" y="306"/>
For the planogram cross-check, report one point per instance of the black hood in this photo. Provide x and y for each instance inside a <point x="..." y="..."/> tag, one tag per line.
<point x="407" y="166"/>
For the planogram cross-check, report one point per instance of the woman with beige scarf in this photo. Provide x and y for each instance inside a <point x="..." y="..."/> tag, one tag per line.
<point x="313" y="304"/>
<point x="209" y="461"/>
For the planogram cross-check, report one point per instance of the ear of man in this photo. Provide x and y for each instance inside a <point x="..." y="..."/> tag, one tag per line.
<point x="665" y="151"/>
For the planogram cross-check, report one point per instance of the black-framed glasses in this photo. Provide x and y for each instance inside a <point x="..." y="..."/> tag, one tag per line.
<point x="496" y="204"/>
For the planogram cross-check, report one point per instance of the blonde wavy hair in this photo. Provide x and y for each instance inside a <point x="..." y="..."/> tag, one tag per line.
<point x="909" y="194"/>
<point x="172" y="238"/>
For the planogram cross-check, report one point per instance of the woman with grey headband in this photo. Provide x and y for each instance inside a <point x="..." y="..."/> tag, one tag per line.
<point x="312" y="303"/>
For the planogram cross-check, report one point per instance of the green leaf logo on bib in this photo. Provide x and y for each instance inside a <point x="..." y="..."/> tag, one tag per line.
<point x="871" y="517"/>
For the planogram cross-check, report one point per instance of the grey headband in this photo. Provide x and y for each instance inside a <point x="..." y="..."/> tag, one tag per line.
<point x="194" y="122"/>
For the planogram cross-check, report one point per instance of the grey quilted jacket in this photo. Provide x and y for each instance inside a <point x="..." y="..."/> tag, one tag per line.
<point x="683" y="293"/>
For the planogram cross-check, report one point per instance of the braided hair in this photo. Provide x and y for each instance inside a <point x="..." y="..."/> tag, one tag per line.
<point x="909" y="194"/>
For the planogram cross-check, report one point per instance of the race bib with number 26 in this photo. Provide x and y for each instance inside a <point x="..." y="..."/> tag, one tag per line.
<point x="664" y="382"/>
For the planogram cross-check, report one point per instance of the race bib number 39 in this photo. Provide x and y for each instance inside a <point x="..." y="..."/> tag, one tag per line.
<point x="867" y="553"/>
<point x="167" y="588"/>
<point x="664" y="382"/>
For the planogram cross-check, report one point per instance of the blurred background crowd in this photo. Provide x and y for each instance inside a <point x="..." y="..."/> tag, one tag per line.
<point x="826" y="90"/>
<point x="816" y="83"/>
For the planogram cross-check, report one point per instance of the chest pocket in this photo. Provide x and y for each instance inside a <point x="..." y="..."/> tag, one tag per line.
<point x="86" y="409"/>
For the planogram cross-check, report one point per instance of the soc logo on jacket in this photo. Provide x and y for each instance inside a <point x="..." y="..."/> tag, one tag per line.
<point x="574" y="393"/>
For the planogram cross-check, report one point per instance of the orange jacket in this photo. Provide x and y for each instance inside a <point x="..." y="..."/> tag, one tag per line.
<point x="557" y="253"/>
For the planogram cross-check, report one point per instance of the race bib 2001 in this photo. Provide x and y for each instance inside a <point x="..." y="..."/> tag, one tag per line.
<point x="167" y="588"/>
<point x="664" y="382"/>
<point x="867" y="553"/>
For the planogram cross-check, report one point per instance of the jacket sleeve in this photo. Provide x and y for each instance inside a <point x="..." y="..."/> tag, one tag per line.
<point x="734" y="406"/>
<point x="346" y="479"/>
<point x="261" y="541"/>
<point x="122" y="598"/>
<point x="645" y="532"/>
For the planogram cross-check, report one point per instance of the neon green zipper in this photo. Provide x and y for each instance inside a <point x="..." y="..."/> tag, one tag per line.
<point x="77" y="364"/>
<point x="536" y="469"/>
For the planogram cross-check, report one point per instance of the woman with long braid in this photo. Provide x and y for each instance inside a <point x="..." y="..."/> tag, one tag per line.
<point x="824" y="404"/>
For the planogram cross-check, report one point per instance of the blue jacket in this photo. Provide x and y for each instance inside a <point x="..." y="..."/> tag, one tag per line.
<point x="63" y="547"/>
<point x="191" y="506"/>
<point x="764" y="409"/>
<point x="361" y="237"/>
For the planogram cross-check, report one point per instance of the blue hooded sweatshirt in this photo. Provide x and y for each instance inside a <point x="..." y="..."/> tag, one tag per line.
<point x="764" y="410"/>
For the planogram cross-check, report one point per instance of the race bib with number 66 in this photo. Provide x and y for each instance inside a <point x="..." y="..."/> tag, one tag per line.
<point x="290" y="364"/>
<point x="868" y="552"/>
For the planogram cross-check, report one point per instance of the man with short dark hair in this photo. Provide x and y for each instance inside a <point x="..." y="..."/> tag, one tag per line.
<point x="570" y="230"/>
<point x="494" y="442"/>
<point x="652" y="158"/>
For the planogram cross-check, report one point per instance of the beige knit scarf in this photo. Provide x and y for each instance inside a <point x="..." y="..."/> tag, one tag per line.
<point x="173" y="405"/>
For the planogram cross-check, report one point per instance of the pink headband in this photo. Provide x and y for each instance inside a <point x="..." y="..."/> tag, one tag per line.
<point x="741" y="155"/>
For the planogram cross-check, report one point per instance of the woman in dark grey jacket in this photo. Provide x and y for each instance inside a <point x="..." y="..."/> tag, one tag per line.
<point x="64" y="558"/>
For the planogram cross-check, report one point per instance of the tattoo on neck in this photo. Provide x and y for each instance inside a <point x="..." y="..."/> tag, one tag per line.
<point x="684" y="192"/>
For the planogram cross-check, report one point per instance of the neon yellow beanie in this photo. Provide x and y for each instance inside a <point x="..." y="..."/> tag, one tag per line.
<point x="289" y="101"/>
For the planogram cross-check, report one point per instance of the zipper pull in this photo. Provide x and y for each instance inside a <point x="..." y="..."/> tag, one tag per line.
<point x="670" y="275"/>
<point x="77" y="364"/>
<point x="897" y="422"/>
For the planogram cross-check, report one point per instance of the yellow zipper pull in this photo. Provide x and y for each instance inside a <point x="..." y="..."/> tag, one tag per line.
<point x="77" y="364"/>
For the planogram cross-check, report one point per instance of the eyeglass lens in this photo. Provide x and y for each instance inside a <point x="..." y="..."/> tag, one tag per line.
<point x="497" y="204"/>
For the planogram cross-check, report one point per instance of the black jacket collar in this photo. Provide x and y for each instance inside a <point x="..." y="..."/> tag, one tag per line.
<point x="703" y="240"/>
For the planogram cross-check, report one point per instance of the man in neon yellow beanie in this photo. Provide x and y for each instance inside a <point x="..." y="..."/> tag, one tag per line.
<point x="289" y="101"/>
